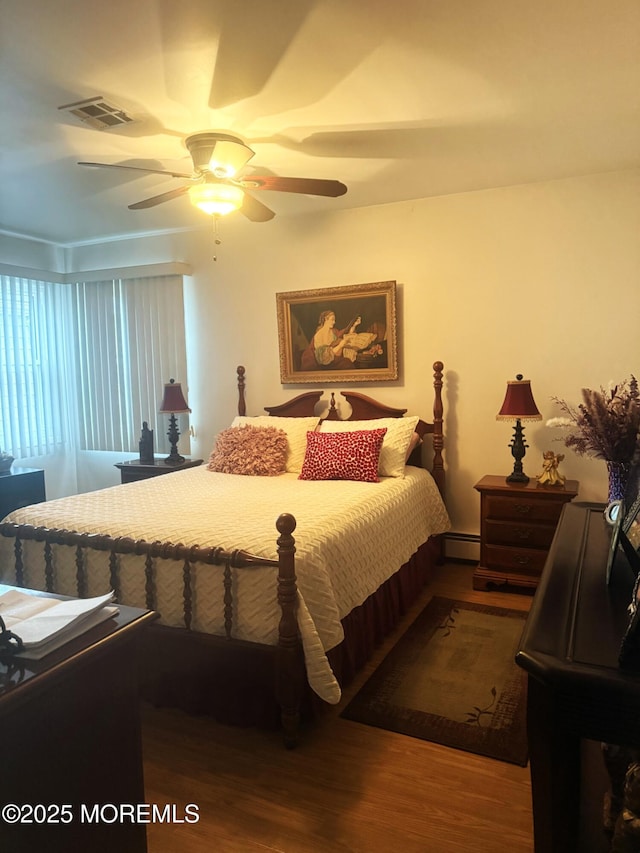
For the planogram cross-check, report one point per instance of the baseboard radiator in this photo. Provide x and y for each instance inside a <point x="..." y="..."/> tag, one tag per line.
<point x="462" y="547"/>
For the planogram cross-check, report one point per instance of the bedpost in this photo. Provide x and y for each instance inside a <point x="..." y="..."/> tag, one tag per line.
<point x="438" y="439"/>
<point x="242" y="407"/>
<point x="438" y="444"/>
<point x="289" y="663"/>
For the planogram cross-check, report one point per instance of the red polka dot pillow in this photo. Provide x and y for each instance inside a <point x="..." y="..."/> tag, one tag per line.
<point x="343" y="455"/>
<point x="395" y="447"/>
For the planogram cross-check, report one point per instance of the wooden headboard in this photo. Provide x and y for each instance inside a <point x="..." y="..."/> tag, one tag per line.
<point x="366" y="408"/>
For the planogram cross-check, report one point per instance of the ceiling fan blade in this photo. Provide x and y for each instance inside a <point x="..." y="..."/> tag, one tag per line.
<point x="137" y="169"/>
<point x="255" y="210"/>
<point x="308" y="186"/>
<point x="159" y="199"/>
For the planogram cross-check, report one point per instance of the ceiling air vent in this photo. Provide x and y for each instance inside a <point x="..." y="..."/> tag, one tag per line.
<point x="98" y="113"/>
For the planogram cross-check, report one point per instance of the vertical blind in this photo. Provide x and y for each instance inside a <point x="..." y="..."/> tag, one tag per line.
<point x="34" y="370"/>
<point x="85" y="364"/>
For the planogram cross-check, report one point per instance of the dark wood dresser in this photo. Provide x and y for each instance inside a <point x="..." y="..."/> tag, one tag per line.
<point x="20" y="487"/>
<point x="577" y="694"/>
<point x="517" y="524"/>
<point x="72" y="741"/>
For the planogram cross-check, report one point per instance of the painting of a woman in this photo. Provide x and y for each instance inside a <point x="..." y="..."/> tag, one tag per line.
<point x="338" y="334"/>
<point x="334" y="349"/>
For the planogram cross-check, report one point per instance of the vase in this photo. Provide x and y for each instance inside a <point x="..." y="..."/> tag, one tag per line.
<point x="618" y="478"/>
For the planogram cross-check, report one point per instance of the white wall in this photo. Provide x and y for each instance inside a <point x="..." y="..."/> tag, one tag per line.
<point x="541" y="279"/>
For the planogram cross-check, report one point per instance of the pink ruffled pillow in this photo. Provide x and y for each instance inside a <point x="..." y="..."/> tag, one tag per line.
<point x="254" y="451"/>
<point x="343" y="455"/>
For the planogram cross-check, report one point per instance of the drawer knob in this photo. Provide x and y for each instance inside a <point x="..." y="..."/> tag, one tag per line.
<point x="522" y="533"/>
<point x="522" y="560"/>
<point x="523" y="509"/>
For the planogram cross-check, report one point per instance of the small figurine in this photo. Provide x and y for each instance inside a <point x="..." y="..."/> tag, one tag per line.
<point x="6" y="461"/>
<point x="550" y="475"/>
<point x="146" y="445"/>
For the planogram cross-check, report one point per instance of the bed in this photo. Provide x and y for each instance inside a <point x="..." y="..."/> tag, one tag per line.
<point x="264" y="613"/>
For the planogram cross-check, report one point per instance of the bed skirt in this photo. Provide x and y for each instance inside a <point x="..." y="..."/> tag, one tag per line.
<point x="234" y="681"/>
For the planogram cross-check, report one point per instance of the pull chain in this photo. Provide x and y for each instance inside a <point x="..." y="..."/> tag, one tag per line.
<point x="216" y="236"/>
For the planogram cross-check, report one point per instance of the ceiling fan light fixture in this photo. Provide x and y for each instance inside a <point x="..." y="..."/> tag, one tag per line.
<point x="227" y="158"/>
<point x="217" y="158"/>
<point x="216" y="199"/>
<point x="218" y="153"/>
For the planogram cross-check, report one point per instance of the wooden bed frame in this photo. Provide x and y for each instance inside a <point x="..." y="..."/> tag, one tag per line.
<point x="177" y="665"/>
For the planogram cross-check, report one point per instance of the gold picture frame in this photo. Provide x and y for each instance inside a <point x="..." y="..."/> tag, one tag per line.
<point x="338" y="334"/>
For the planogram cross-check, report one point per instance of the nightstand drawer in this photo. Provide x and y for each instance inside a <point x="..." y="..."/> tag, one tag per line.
<point x="520" y="535"/>
<point x="522" y="561"/>
<point x="132" y="476"/>
<point x="134" y="469"/>
<point x="523" y="508"/>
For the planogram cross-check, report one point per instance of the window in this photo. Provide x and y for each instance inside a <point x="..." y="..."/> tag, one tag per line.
<point x="34" y="417"/>
<point x="87" y="360"/>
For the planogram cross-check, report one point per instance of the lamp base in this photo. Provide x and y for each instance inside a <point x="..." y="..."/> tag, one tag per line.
<point x="174" y="458"/>
<point x="518" y="450"/>
<point x="173" y="435"/>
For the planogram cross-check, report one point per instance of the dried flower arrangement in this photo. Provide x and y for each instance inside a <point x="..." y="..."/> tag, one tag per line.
<point x="606" y="423"/>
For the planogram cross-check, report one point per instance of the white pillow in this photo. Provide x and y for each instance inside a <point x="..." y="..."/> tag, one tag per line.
<point x="295" y="428"/>
<point x="396" y="441"/>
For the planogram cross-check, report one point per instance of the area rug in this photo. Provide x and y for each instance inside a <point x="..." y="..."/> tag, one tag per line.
<point x="452" y="679"/>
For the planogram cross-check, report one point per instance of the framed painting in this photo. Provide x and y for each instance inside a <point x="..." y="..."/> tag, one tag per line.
<point x="338" y="334"/>
<point x="629" y="655"/>
<point x="630" y="535"/>
<point x="613" y="515"/>
<point x="631" y="524"/>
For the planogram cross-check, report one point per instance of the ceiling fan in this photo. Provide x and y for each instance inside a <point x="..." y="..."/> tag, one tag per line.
<point x="215" y="186"/>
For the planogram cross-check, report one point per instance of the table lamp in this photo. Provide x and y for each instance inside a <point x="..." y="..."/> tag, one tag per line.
<point x="518" y="405"/>
<point x="173" y="403"/>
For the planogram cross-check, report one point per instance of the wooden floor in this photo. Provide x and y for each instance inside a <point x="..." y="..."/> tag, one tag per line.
<point x="348" y="787"/>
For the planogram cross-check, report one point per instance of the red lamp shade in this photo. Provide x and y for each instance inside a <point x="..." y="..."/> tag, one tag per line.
<point x="173" y="401"/>
<point x="519" y="402"/>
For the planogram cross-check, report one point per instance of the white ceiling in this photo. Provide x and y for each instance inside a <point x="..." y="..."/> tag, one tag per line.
<point x="399" y="100"/>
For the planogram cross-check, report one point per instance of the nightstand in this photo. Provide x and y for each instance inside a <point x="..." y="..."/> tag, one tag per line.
<point x="517" y="525"/>
<point x="20" y="487"/>
<point x="137" y="470"/>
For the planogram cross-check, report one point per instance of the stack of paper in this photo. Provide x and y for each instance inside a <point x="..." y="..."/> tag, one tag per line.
<point x="44" y="624"/>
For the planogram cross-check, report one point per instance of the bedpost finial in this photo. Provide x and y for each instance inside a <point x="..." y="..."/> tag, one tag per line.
<point x="286" y="524"/>
<point x="332" y="414"/>
<point x="240" y="371"/>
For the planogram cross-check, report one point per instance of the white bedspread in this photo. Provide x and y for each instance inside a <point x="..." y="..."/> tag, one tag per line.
<point x="350" y="537"/>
